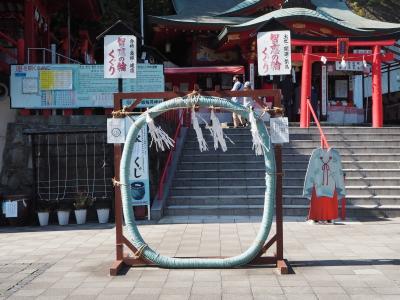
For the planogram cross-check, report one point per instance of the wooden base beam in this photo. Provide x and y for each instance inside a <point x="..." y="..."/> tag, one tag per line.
<point x="116" y="267"/>
<point x="282" y="267"/>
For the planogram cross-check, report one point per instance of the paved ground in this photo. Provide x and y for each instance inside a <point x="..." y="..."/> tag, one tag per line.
<point x="354" y="260"/>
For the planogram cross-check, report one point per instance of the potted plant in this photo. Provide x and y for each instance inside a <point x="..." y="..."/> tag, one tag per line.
<point x="43" y="212"/>
<point x="63" y="210"/>
<point x="81" y="203"/>
<point x="103" y="209"/>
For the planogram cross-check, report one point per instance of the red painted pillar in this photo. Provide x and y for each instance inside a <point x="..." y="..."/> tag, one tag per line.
<point x="21" y="51"/>
<point x="29" y="28"/>
<point x="87" y="111"/>
<point x="377" y="109"/>
<point x="67" y="112"/>
<point x="305" y="88"/>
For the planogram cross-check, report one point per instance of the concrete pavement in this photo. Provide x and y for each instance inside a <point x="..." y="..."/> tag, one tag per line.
<point x="351" y="260"/>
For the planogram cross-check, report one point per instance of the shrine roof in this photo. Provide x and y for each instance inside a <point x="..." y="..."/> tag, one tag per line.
<point x="242" y="5"/>
<point x="288" y="14"/>
<point x="218" y="13"/>
<point x="204" y="7"/>
<point x="198" y="20"/>
<point x="340" y="11"/>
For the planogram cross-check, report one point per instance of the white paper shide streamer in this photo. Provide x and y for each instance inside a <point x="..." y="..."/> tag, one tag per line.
<point x="202" y="143"/>
<point x="158" y="136"/>
<point x="257" y="141"/>
<point x="217" y="133"/>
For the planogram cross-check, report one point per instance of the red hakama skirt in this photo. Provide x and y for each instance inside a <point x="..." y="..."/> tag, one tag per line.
<point x="323" y="208"/>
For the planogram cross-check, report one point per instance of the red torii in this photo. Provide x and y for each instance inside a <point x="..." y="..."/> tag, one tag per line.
<point x="308" y="57"/>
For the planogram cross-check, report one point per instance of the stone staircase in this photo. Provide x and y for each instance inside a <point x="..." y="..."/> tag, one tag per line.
<point x="232" y="183"/>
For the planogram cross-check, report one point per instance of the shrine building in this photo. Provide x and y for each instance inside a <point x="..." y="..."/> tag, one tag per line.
<point x="346" y="64"/>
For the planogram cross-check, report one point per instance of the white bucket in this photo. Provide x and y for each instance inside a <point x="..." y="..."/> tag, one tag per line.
<point x="43" y="218"/>
<point x="80" y="215"/>
<point x="63" y="217"/>
<point x="103" y="215"/>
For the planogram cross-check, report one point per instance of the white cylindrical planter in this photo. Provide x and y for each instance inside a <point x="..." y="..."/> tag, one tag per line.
<point x="80" y="215"/>
<point x="43" y="218"/>
<point x="103" y="214"/>
<point x="63" y="217"/>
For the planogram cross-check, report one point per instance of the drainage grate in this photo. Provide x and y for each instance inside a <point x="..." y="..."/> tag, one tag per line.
<point x="15" y="276"/>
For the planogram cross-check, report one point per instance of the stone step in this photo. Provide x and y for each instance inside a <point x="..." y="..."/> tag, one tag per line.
<point x="314" y="135"/>
<point x="343" y="130"/>
<point x="210" y="156"/>
<point x="343" y="150"/>
<point x="204" y="165"/>
<point x="288" y="173"/>
<point x="288" y="210"/>
<point x="242" y="191"/>
<point x="217" y="200"/>
<point x="287" y="200"/>
<point x="257" y="181"/>
<point x="308" y="143"/>
<point x="346" y="143"/>
<point x="314" y="130"/>
<point x="350" y="200"/>
<point x="254" y="190"/>
<point x="345" y="137"/>
<point x="352" y="190"/>
<point x="298" y="173"/>
<point x="381" y="156"/>
<point x="225" y="173"/>
<point x="215" y="181"/>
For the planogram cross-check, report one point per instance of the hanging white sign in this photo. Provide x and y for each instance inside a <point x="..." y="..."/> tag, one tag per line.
<point x="252" y="75"/>
<point x="274" y="53"/>
<point x="119" y="56"/>
<point x="10" y="209"/>
<point x="324" y="90"/>
<point x="350" y="66"/>
<point x="279" y="130"/>
<point x="115" y="130"/>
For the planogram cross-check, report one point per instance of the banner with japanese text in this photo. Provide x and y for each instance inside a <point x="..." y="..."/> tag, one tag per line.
<point x="274" y="53"/>
<point x="139" y="169"/>
<point x="119" y="56"/>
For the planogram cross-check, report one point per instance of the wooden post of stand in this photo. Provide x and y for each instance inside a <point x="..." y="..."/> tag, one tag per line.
<point x="119" y="245"/>
<point x="281" y="265"/>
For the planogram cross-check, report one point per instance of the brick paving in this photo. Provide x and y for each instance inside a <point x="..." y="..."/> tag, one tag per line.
<point x="351" y="260"/>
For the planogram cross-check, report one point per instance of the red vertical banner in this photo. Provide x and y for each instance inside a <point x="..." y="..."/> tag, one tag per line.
<point x="342" y="47"/>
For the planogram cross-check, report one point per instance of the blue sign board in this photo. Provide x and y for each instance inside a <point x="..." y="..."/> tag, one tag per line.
<point x="75" y="86"/>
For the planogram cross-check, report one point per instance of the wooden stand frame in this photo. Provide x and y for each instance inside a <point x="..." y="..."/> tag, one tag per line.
<point x="124" y="260"/>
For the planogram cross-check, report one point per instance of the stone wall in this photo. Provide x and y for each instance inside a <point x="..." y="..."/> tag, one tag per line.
<point x="17" y="172"/>
<point x="7" y="115"/>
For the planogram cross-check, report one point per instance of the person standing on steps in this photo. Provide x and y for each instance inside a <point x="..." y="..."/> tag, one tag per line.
<point x="237" y="86"/>
<point x="247" y="101"/>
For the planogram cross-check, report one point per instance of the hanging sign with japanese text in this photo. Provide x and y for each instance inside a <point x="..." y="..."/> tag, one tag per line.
<point x="274" y="53"/>
<point x="279" y="130"/>
<point x="119" y="56"/>
<point x="139" y="181"/>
